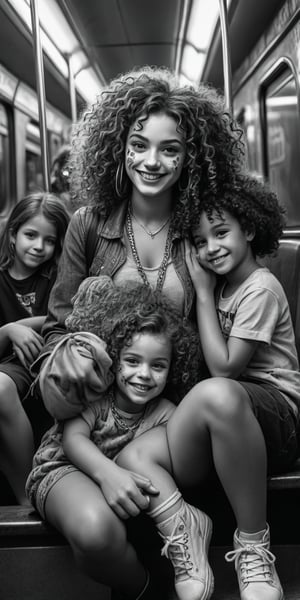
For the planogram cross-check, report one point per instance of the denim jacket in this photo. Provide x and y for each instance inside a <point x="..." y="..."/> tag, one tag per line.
<point x="110" y="255"/>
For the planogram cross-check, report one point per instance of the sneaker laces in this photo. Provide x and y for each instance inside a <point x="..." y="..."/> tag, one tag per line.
<point x="256" y="562"/>
<point x="176" y="549"/>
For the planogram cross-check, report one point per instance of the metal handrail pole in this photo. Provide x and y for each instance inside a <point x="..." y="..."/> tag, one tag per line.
<point x="40" y="85"/>
<point x="72" y="90"/>
<point x="227" y="73"/>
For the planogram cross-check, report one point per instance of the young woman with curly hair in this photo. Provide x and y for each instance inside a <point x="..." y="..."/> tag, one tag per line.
<point x="143" y="159"/>
<point x="76" y="483"/>
<point x="244" y="420"/>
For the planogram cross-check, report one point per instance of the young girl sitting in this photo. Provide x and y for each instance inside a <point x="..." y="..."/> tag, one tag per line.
<point x="31" y="244"/>
<point x="149" y="347"/>
<point x="243" y="421"/>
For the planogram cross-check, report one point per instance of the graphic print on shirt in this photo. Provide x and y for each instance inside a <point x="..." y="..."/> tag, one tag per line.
<point x="226" y="320"/>
<point x="27" y="301"/>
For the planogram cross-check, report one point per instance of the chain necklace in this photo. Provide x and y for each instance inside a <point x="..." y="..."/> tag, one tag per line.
<point x="151" y="234"/>
<point x="119" y="421"/>
<point x="163" y="267"/>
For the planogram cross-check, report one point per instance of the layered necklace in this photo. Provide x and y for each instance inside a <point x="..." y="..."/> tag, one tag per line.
<point x="120" y="421"/>
<point x="163" y="266"/>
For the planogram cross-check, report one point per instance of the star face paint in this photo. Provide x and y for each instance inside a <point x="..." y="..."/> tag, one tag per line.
<point x="155" y="153"/>
<point x="142" y="371"/>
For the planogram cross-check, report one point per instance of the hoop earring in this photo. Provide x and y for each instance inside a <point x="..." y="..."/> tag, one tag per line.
<point x="120" y="181"/>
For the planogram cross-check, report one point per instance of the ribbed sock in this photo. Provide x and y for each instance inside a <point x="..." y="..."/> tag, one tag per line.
<point x="168" y="508"/>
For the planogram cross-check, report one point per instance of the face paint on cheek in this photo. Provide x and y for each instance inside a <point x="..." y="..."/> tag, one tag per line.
<point x="130" y="158"/>
<point x="175" y="163"/>
<point x="121" y="376"/>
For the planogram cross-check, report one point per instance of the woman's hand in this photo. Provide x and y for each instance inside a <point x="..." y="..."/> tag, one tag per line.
<point x="26" y="343"/>
<point x="204" y="280"/>
<point x="126" y="492"/>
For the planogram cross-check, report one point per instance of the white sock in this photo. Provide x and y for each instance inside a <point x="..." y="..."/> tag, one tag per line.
<point x="245" y="536"/>
<point x="164" y="511"/>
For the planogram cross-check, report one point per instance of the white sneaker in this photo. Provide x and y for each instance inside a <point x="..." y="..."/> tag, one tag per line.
<point x="187" y="548"/>
<point x="254" y="564"/>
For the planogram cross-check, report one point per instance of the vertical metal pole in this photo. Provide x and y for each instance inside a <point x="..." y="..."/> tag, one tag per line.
<point x="72" y="90"/>
<point x="226" y="56"/>
<point x="40" y="85"/>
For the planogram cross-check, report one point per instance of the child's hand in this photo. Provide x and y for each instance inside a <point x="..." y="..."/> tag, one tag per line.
<point x="27" y="343"/>
<point x="126" y="492"/>
<point x="203" y="279"/>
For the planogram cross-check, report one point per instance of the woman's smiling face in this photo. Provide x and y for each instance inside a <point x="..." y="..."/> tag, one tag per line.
<point x="155" y="152"/>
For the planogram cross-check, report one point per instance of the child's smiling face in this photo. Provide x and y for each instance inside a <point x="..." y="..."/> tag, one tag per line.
<point x="142" y="371"/>
<point x="222" y="245"/>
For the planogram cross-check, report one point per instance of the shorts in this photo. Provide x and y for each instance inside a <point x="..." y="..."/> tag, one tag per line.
<point x="39" y="486"/>
<point x="19" y="374"/>
<point x="278" y="422"/>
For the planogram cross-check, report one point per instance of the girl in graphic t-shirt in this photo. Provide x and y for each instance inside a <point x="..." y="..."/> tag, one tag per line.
<point x="31" y="244"/>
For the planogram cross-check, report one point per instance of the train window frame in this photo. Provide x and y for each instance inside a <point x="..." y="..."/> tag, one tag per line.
<point x="6" y="187"/>
<point x="282" y="72"/>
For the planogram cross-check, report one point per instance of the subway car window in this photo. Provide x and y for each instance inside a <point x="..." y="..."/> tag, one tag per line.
<point x="34" y="174"/>
<point x="246" y="122"/>
<point x="283" y="143"/>
<point x="4" y="161"/>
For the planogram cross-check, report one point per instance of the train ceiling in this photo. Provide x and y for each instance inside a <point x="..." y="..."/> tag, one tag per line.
<point x="117" y="35"/>
<point x="120" y="34"/>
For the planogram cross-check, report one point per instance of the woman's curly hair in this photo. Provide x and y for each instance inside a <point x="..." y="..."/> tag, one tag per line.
<point x="256" y="208"/>
<point x="116" y="314"/>
<point x="214" y="146"/>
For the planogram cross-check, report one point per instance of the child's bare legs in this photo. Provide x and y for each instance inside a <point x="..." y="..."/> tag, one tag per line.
<point x="215" y="422"/>
<point x="215" y="419"/>
<point x="77" y="508"/>
<point x="16" y="438"/>
<point x="186" y="530"/>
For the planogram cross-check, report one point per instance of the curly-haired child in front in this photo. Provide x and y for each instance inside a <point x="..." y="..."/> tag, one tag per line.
<point x="148" y="346"/>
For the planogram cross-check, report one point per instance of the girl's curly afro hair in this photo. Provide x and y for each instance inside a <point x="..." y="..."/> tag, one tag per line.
<point x="256" y="208"/>
<point x="116" y="314"/>
<point x="213" y="141"/>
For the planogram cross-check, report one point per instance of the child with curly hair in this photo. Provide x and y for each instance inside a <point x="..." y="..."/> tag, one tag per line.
<point x="143" y="159"/>
<point x="244" y="420"/>
<point x="147" y="345"/>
